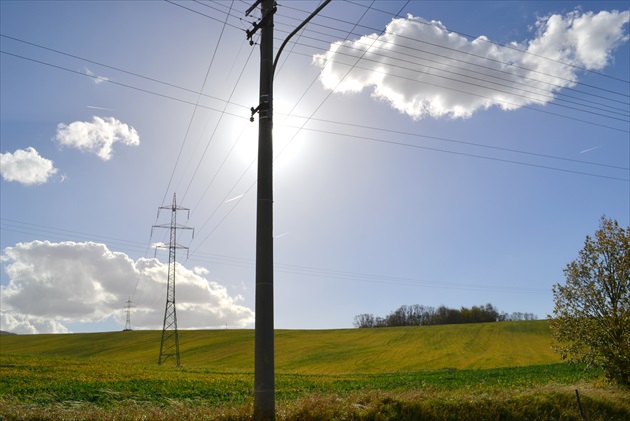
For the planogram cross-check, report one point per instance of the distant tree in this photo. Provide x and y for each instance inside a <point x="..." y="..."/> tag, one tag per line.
<point x="490" y="314"/>
<point x="363" y="320"/>
<point x="412" y="315"/>
<point x="418" y="315"/>
<point x="516" y="316"/>
<point x="475" y="314"/>
<point x="591" y="316"/>
<point x="441" y="316"/>
<point x="398" y="317"/>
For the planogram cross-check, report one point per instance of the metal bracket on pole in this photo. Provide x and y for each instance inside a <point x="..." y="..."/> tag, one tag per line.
<point x="262" y="109"/>
<point x="260" y="24"/>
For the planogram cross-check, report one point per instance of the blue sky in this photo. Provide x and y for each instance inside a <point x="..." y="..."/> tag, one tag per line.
<point x="428" y="152"/>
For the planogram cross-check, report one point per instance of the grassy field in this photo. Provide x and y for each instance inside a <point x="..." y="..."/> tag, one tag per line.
<point x="482" y="371"/>
<point x="484" y="345"/>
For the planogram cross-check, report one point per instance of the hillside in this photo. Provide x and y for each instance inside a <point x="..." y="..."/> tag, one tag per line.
<point x="470" y="346"/>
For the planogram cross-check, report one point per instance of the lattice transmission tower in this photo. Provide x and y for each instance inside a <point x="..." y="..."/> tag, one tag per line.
<point x="169" y="347"/>
<point x="128" y="306"/>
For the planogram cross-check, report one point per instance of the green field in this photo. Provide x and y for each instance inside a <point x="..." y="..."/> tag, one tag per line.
<point x="477" y="371"/>
<point x="366" y="351"/>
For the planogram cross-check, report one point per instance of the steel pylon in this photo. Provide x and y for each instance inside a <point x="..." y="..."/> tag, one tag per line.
<point x="169" y="346"/>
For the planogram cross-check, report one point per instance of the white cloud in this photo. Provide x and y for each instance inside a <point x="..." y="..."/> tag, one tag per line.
<point x="97" y="79"/>
<point x="72" y="282"/>
<point x="201" y="271"/>
<point x="585" y="40"/>
<point x="436" y="77"/>
<point x="26" y="166"/>
<point x="19" y="323"/>
<point x="97" y="136"/>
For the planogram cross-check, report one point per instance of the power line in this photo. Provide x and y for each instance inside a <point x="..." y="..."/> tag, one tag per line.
<point x="499" y="100"/>
<point x="205" y="15"/>
<point x="215" y="110"/>
<point x="240" y="116"/>
<point x="482" y="39"/>
<point x="194" y="252"/>
<point x="502" y="101"/>
<point x="400" y="132"/>
<point x="63" y="234"/>
<point x="337" y="134"/>
<point x="426" y="148"/>
<point x="216" y="47"/>
<point x="388" y="142"/>
<point x="545" y="93"/>
<point x="323" y="273"/>
<point x="468" y="62"/>
<point x="489" y="59"/>
<point x="123" y="84"/>
<point x="219" y="169"/>
<point x="342" y="54"/>
<point x="516" y="82"/>
<point x="214" y="132"/>
<point x="118" y="69"/>
<point x="330" y="273"/>
<point x="313" y="113"/>
<point x="298" y="269"/>
<point x="236" y="115"/>
<point x="60" y="234"/>
<point x="233" y="207"/>
<point x="509" y="161"/>
<point x="510" y="93"/>
<point x="462" y="52"/>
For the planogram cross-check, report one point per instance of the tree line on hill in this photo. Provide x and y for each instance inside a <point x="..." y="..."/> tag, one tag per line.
<point x="419" y="315"/>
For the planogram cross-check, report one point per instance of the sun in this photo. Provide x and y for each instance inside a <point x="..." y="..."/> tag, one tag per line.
<point x="289" y="141"/>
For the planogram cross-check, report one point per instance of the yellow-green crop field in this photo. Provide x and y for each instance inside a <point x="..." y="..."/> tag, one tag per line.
<point x="467" y="372"/>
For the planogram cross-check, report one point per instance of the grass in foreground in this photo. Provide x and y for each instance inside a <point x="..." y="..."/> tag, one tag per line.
<point x="50" y="388"/>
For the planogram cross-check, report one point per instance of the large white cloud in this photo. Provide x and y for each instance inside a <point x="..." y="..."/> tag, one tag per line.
<point x="97" y="136"/>
<point x="55" y="283"/>
<point x="24" y="324"/>
<point x="26" y="166"/>
<point x="420" y="68"/>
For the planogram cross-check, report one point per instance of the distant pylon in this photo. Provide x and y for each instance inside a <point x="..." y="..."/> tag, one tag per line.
<point x="169" y="347"/>
<point x="128" y="306"/>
